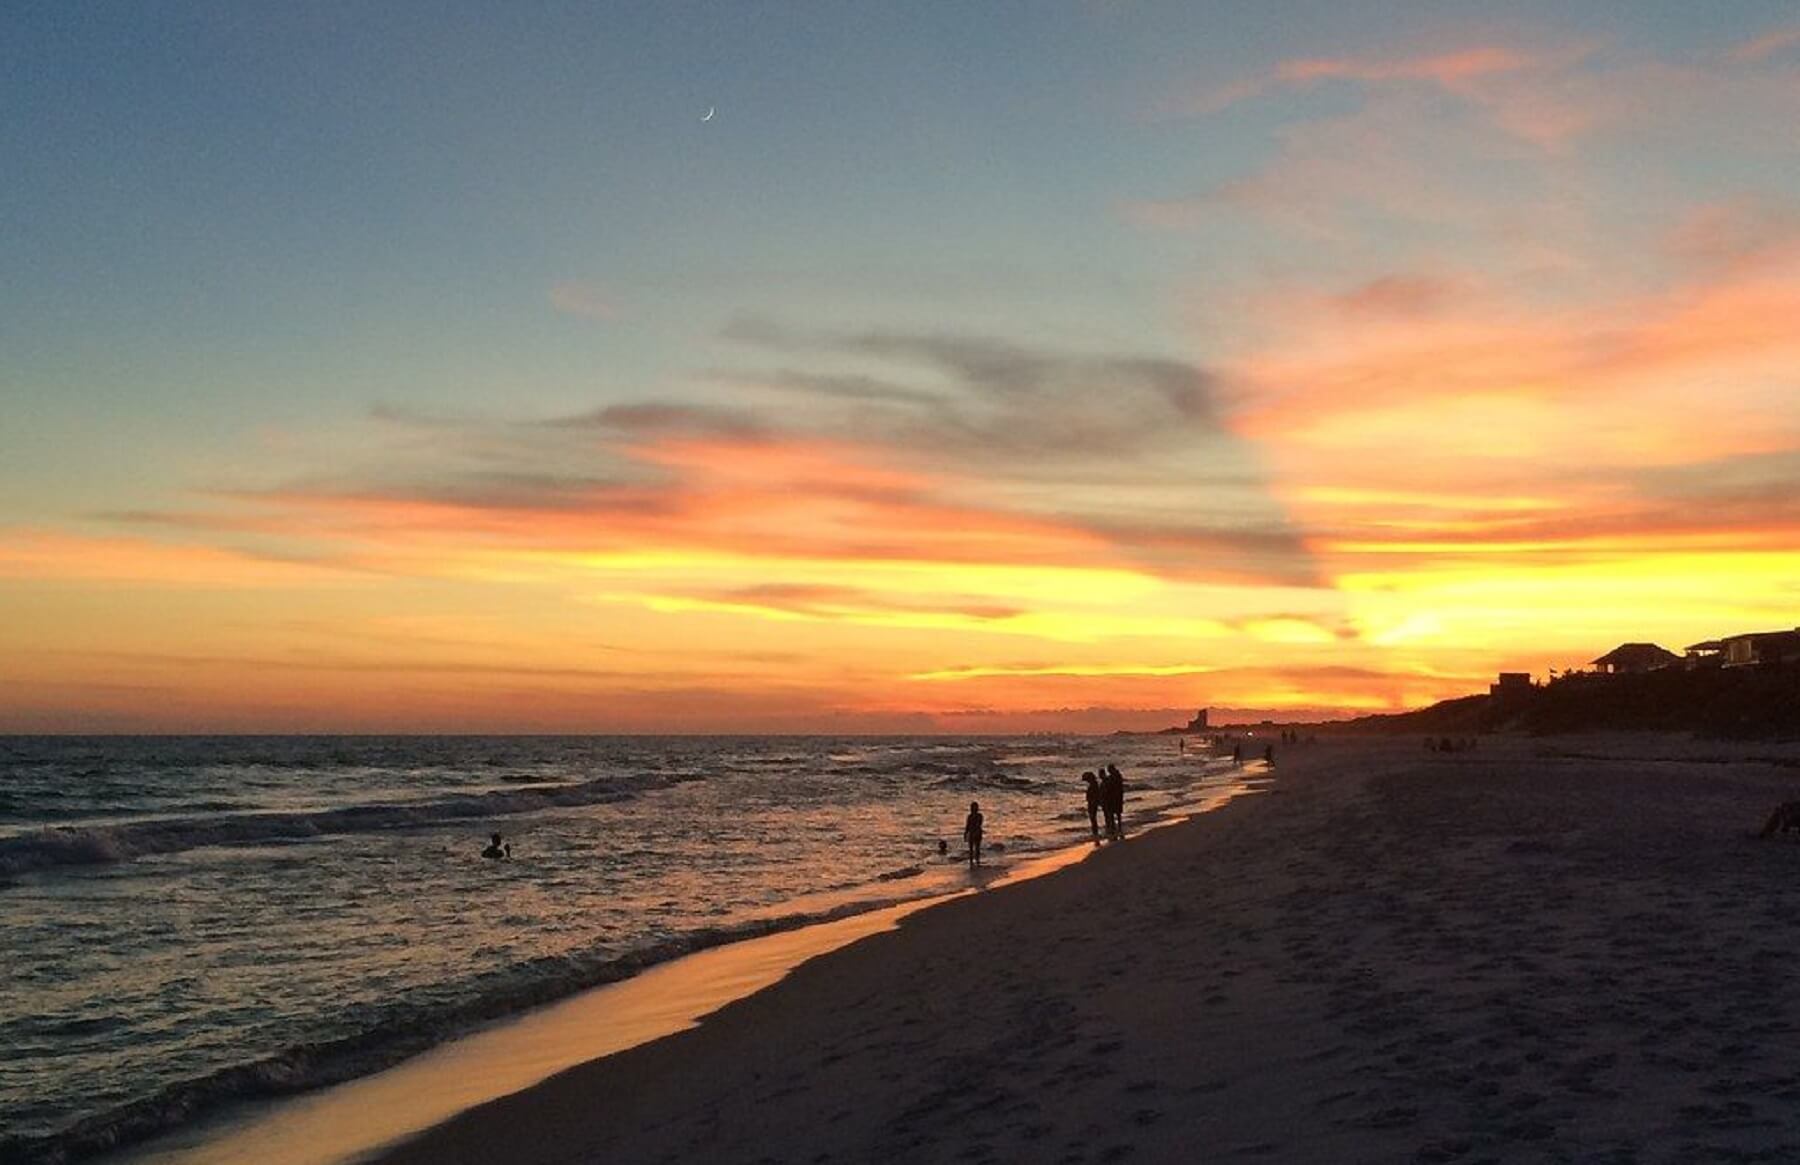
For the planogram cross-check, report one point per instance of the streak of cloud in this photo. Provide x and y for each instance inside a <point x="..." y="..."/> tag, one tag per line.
<point x="584" y="300"/>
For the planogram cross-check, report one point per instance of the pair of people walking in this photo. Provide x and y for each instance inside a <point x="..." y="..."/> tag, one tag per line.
<point x="1106" y="796"/>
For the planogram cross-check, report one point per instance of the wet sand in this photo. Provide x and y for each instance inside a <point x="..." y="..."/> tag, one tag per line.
<point x="1563" y="949"/>
<point x="344" y="1122"/>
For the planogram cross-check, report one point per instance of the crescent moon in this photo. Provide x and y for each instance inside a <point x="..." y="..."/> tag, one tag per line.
<point x="710" y="110"/>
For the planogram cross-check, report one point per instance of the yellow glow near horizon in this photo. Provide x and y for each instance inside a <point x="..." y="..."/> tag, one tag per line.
<point x="1560" y="608"/>
<point x="1072" y="669"/>
<point x="1359" y="497"/>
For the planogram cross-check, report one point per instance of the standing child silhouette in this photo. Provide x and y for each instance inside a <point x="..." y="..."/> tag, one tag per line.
<point x="972" y="833"/>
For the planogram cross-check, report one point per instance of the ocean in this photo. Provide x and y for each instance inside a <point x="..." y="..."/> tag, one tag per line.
<point x="195" y="921"/>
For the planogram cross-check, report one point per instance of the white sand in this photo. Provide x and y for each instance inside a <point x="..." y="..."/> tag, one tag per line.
<point x="1507" y="955"/>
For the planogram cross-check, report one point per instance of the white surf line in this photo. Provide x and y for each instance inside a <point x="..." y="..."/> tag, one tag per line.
<point x="348" y="1121"/>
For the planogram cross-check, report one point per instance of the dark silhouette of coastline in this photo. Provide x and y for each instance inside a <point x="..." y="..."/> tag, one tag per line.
<point x="1742" y="702"/>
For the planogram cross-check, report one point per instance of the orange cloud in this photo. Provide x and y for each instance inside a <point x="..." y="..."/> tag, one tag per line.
<point x="1451" y="69"/>
<point x="1326" y="378"/>
<point x="1769" y="44"/>
<point x="28" y="554"/>
<point x="1539" y="96"/>
<point x="764" y="497"/>
<point x="1446" y="69"/>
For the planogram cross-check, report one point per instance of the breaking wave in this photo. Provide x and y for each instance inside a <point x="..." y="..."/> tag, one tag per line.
<point x="103" y="844"/>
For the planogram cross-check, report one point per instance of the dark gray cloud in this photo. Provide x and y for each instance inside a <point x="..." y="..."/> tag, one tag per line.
<point x="1759" y="481"/>
<point x="975" y="396"/>
<point x="659" y="418"/>
<point x="1008" y="371"/>
<point x="479" y="489"/>
<point x="848" y="387"/>
<point x="1212" y="546"/>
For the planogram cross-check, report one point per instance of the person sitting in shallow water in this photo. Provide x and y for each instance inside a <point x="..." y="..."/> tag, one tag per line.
<point x="496" y="850"/>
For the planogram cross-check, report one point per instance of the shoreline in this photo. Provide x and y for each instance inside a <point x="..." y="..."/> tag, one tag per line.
<point x="1506" y="954"/>
<point x="346" y="1120"/>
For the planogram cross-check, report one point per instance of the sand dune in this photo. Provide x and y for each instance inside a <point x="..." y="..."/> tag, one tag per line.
<point x="1542" y="950"/>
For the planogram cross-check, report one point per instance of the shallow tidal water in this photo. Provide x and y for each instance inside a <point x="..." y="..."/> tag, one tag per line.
<point x="192" y="921"/>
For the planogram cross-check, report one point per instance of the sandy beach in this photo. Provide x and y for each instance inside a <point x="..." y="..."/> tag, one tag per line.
<point x="1563" y="949"/>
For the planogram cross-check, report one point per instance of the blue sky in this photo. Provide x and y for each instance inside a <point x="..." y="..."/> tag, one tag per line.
<point x="294" y="194"/>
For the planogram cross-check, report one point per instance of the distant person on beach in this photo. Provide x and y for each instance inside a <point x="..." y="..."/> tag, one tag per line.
<point x="1268" y="754"/>
<point x="1112" y="796"/>
<point x="1785" y="817"/>
<point x="1237" y="753"/>
<point x="1093" y="803"/>
<point x="972" y="833"/>
<point x="496" y="850"/>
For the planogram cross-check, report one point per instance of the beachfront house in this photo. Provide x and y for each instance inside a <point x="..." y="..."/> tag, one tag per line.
<point x="1635" y="657"/>
<point x="1510" y="683"/>
<point x="1760" y="647"/>
<point x="1707" y="653"/>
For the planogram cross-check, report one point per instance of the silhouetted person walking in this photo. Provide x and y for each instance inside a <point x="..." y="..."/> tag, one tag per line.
<point x="1112" y="796"/>
<point x="1093" y="804"/>
<point x="972" y="833"/>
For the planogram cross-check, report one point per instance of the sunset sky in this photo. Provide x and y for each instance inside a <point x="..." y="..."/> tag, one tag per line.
<point x="975" y="367"/>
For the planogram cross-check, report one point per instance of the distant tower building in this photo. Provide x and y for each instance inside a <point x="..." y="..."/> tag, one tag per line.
<point x="1198" y="723"/>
